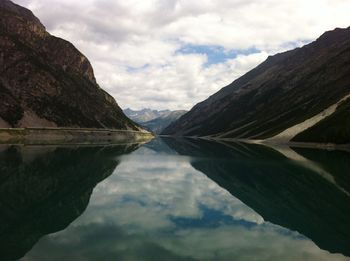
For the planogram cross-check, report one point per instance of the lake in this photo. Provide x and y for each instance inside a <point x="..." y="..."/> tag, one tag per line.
<point x="174" y="199"/>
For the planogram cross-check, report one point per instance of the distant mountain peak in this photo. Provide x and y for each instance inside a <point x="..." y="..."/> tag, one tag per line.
<point x="154" y="120"/>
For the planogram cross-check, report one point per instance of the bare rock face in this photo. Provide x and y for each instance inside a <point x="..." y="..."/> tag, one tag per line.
<point x="285" y="90"/>
<point x="45" y="81"/>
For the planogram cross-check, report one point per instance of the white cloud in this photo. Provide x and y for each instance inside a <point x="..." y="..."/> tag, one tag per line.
<point x="119" y="35"/>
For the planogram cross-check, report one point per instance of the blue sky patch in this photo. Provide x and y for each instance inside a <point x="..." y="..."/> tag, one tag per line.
<point x="131" y="69"/>
<point x="215" y="54"/>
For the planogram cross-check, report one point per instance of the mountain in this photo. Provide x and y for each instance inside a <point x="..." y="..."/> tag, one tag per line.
<point x="153" y="120"/>
<point x="299" y="95"/>
<point x="144" y="115"/>
<point x="157" y="125"/>
<point x="46" y="82"/>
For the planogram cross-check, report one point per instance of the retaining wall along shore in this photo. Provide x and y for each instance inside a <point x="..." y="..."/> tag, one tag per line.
<point x="71" y="136"/>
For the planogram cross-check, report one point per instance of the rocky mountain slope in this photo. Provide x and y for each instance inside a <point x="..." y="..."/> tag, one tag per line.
<point x="297" y="95"/>
<point x="153" y="120"/>
<point x="46" y="82"/>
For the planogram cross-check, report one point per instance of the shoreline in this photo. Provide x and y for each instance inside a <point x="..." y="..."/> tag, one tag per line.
<point x="270" y="143"/>
<point x="71" y="136"/>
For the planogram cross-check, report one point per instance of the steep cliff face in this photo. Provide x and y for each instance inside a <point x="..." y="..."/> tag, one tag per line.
<point x="45" y="81"/>
<point x="285" y="90"/>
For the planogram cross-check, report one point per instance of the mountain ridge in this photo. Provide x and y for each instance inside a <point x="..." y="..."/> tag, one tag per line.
<point x="157" y="125"/>
<point x="154" y="120"/>
<point x="145" y="114"/>
<point x="286" y="89"/>
<point x="46" y="81"/>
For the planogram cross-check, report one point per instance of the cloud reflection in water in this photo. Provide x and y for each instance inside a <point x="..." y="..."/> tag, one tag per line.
<point x="156" y="206"/>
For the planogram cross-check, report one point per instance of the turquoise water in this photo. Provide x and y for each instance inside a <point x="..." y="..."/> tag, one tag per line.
<point x="174" y="200"/>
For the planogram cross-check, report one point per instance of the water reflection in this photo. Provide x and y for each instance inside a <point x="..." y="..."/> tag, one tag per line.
<point x="305" y="190"/>
<point x="43" y="189"/>
<point x="173" y="200"/>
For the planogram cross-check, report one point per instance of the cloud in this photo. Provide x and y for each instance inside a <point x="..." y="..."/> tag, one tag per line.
<point x="135" y="46"/>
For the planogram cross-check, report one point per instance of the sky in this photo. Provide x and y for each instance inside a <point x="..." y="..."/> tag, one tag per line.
<point x="172" y="54"/>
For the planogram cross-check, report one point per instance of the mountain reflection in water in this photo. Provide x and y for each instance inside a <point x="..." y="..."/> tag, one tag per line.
<point x="176" y="200"/>
<point x="306" y="190"/>
<point x="44" y="189"/>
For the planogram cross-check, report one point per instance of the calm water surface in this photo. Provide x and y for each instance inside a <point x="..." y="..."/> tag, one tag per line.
<point x="174" y="200"/>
